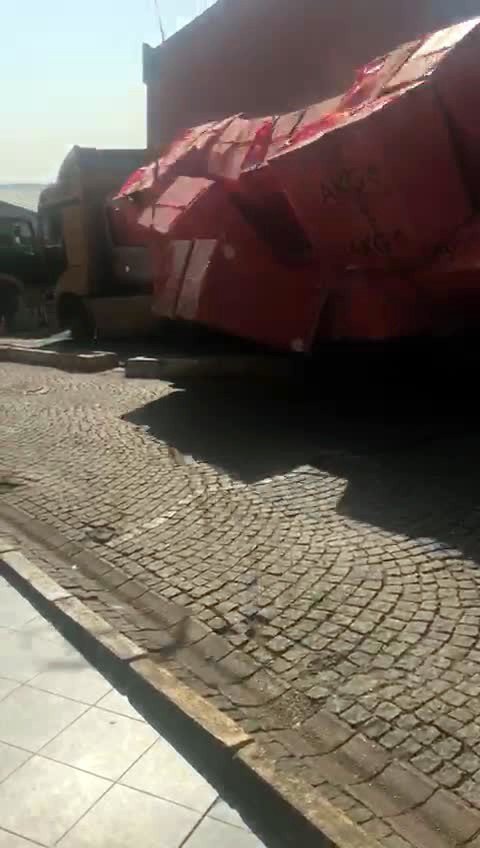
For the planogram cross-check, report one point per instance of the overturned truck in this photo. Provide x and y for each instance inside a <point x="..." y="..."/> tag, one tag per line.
<point x="353" y="218"/>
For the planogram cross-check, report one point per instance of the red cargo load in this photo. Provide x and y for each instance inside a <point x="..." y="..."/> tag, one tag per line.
<point x="123" y="224"/>
<point x="240" y="139"/>
<point x="186" y="155"/>
<point x="176" y="212"/>
<point x="231" y="281"/>
<point x="332" y="221"/>
<point x="169" y="261"/>
<point x="283" y="128"/>
<point x="431" y="53"/>
<point x="265" y="206"/>
<point x="371" y="79"/>
<point x="378" y="186"/>
<point x="173" y="222"/>
<point x="449" y="61"/>
<point x="275" y="306"/>
<point x="450" y="286"/>
<point x="374" y="306"/>
<point x="262" y="199"/>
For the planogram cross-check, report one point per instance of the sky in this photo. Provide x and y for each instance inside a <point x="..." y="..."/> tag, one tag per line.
<point x="71" y="73"/>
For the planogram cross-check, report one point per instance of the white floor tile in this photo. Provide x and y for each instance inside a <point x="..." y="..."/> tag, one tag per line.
<point x="216" y="834"/>
<point x="7" y="686"/>
<point x="9" y="840"/>
<point x="23" y="656"/>
<point x="126" y="818"/>
<point x="102" y="742"/>
<point x="117" y="703"/>
<point x="15" y="610"/>
<point x="77" y="680"/>
<point x="165" y="773"/>
<point x="10" y="759"/>
<point x="43" y="799"/>
<point x="224" y="812"/>
<point x="30" y="718"/>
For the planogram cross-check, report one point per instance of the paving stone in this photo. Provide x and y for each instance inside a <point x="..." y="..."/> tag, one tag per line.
<point x="469" y="792"/>
<point x="397" y="789"/>
<point x="378" y="829"/>
<point x="358" y="685"/>
<point x="442" y="820"/>
<point x="427" y="762"/>
<point x="449" y="776"/>
<point x="468" y="762"/>
<point x="387" y="711"/>
<point x="375" y="728"/>
<point x="396" y="841"/>
<point x="357" y="760"/>
<point x="318" y="693"/>
<point x="279" y="644"/>
<point x="329" y="732"/>
<point x="447" y="749"/>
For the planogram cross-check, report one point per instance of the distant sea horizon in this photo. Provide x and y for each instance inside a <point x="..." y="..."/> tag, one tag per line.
<point x="21" y="194"/>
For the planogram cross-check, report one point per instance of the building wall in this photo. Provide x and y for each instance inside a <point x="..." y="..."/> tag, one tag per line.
<point x="268" y="56"/>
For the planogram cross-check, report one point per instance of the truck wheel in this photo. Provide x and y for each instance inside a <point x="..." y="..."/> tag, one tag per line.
<point x="73" y="314"/>
<point x="10" y="310"/>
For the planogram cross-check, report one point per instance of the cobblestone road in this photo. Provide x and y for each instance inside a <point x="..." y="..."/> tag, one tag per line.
<point x="336" y="558"/>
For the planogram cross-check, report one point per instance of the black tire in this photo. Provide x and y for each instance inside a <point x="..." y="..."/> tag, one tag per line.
<point x="73" y="314"/>
<point x="9" y="303"/>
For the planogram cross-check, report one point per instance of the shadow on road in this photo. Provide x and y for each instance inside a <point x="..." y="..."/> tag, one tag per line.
<point x="249" y="430"/>
<point x="400" y="427"/>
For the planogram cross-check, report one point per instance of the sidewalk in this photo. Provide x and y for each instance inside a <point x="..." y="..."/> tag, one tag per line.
<point x="79" y="766"/>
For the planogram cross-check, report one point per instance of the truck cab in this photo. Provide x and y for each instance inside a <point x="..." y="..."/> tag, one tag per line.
<point x="101" y="286"/>
<point x="22" y="270"/>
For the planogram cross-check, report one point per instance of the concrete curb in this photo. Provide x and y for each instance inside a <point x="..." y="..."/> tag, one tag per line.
<point x="86" y="363"/>
<point x="171" y="367"/>
<point x="328" y="825"/>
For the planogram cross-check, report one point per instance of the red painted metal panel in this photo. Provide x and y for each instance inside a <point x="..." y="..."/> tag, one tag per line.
<point x="374" y="305"/>
<point x="190" y="208"/>
<point x="192" y="287"/>
<point x="274" y="305"/>
<point x="450" y="285"/>
<point x="187" y="155"/>
<point x="170" y="263"/>
<point x="370" y="186"/>
<point x="260" y="197"/>
<point x="449" y="61"/>
<point x="457" y="81"/>
<point x="232" y="281"/>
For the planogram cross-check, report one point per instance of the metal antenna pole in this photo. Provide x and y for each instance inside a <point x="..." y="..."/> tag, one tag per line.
<point x="159" y="18"/>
